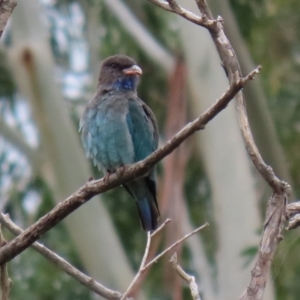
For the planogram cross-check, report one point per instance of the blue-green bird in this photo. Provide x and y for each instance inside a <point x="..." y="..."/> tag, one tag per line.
<point x="118" y="128"/>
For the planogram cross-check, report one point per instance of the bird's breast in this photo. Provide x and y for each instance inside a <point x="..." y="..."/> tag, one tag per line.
<point x="109" y="141"/>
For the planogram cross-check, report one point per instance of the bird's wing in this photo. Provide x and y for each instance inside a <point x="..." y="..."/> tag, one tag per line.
<point x="143" y="128"/>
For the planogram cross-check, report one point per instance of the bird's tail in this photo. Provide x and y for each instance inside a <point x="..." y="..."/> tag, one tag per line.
<point x="146" y="202"/>
<point x="149" y="214"/>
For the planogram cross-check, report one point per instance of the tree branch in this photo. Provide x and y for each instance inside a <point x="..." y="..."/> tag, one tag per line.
<point x="144" y="266"/>
<point x="62" y="264"/>
<point x="6" y="9"/>
<point x="144" y="260"/>
<point x="275" y="215"/>
<point x="122" y="175"/>
<point x="271" y="236"/>
<point x="5" y="281"/>
<point x="190" y="280"/>
<point x="173" y="7"/>
<point x="293" y="214"/>
<point x="155" y="259"/>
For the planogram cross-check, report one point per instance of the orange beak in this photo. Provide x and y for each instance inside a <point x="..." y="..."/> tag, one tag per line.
<point x="133" y="70"/>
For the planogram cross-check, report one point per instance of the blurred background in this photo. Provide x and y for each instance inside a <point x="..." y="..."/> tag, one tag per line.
<point x="50" y="55"/>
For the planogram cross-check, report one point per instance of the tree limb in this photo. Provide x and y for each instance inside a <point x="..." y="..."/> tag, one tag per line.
<point x="190" y="280"/>
<point x="62" y="264"/>
<point x="122" y="175"/>
<point x="5" y="281"/>
<point x="275" y="215"/>
<point x="6" y="9"/>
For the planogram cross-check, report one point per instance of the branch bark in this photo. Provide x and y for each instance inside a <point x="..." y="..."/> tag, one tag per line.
<point x="190" y="280"/>
<point x="6" y="9"/>
<point x="276" y="207"/>
<point x="92" y="188"/>
<point x="62" y="264"/>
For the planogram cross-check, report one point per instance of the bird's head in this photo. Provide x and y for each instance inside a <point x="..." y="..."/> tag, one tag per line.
<point x="119" y="72"/>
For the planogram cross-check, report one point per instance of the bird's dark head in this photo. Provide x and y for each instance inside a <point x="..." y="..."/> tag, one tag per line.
<point x="119" y="72"/>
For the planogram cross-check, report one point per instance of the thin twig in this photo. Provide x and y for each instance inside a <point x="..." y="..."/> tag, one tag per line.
<point x="144" y="260"/>
<point x="144" y="266"/>
<point x="5" y="280"/>
<point x="61" y="263"/>
<point x="95" y="187"/>
<point x="294" y="222"/>
<point x="293" y="215"/>
<point x="139" y="273"/>
<point x="190" y="280"/>
<point x="162" y="226"/>
<point x="173" y="7"/>
<point x="174" y="245"/>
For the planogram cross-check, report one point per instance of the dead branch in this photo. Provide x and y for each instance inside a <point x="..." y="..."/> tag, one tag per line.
<point x="154" y="260"/>
<point x="144" y="265"/>
<point x="6" y="9"/>
<point x="62" y="264"/>
<point x="122" y="175"/>
<point x="276" y="207"/>
<point x="190" y="280"/>
<point x="5" y="281"/>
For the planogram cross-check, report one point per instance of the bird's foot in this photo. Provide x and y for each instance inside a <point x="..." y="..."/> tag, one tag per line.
<point x="121" y="170"/>
<point x="106" y="177"/>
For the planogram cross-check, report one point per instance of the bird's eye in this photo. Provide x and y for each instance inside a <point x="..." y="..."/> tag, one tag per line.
<point x="113" y="65"/>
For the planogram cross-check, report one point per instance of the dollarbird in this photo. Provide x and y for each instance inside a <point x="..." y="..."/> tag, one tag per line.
<point x="118" y="128"/>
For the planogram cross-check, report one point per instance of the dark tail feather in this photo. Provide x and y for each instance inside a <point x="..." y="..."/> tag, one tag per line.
<point x="144" y="192"/>
<point x="149" y="214"/>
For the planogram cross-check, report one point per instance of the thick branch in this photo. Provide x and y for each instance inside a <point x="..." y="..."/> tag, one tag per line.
<point x="6" y="9"/>
<point x="5" y="281"/>
<point x="275" y="218"/>
<point x="92" y="188"/>
<point x="62" y="264"/>
<point x="276" y="208"/>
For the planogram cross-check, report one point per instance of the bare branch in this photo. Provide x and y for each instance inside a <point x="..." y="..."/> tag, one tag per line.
<point x="6" y="9"/>
<point x="162" y="226"/>
<point x="122" y="175"/>
<point x="144" y="260"/>
<point x="173" y="7"/>
<point x="275" y="215"/>
<point x="274" y="222"/>
<point x="293" y="208"/>
<point x="190" y="280"/>
<point x="144" y="266"/>
<point x="294" y="222"/>
<point x="139" y="273"/>
<point x="62" y="264"/>
<point x="5" y="280"/>
<point x="154" y="260"/>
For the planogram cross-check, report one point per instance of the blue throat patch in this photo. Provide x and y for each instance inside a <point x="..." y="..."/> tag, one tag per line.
<point x="127" y="83"/>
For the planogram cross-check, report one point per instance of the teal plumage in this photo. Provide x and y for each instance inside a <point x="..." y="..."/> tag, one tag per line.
<point x="117" y="129"/>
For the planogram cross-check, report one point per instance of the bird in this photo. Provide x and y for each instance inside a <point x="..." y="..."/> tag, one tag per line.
<point x="118" y="128"/>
